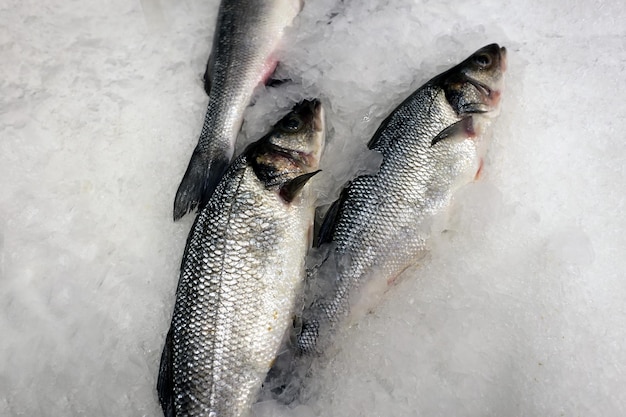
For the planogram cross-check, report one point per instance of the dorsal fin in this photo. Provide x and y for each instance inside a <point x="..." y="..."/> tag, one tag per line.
<point x="381" y="136"/>
<point x="327" y="228"/>
<point x="328" y="224"/>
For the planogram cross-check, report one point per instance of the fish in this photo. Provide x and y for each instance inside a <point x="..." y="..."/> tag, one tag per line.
<point x="247" y="35"/>
<point x="431" y="144"/>
<point x="242" y="272"/>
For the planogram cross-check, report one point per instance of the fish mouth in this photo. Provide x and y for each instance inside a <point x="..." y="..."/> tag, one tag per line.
<point x="503" y="59"/>
<point x="314" y="113"/>
<point x="318" y="126"/>
<point x="318" y="114"/>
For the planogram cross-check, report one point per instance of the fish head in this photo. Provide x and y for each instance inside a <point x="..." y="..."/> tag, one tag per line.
<point x="301" y="134"/>
<point x="475" y="85"/>
<point x="292" y="149"/>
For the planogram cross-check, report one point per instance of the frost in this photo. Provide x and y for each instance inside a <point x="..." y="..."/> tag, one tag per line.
<point x="519" y="308"/>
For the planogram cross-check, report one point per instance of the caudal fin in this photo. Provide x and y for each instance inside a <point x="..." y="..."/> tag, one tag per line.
<point x="289" y="373"/>
<point x="202" y="176"/>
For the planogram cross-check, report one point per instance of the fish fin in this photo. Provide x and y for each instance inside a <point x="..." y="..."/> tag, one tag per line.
<point x="273" y="77"/>
<point x="286" y="378"/>
<point x="325" y="233"/>
<point x="207" y="74"/>
<point x="308" y="337"/>
<point x="276" y="82"/>
<point x="464" y="127"/>
<point x="282" y="366"/>
<point x="473" y="108"/>
<point x="165" y="381"/>
<point x="290" y="189"/>
<point x="378" y="140"/>
<point x="270" y="83"/>
<point x="199" y="182"/>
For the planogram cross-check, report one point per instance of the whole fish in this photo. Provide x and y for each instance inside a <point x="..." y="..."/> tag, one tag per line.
<point x="242" y="272"/>
<point x="246" y="37"/>
<point x="431" y="145"/>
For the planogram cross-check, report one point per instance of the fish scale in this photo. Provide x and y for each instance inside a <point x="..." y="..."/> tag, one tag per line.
<point x="431" y="145"/>
<point x="241" y="274"/>
<point x="234" y="301"/>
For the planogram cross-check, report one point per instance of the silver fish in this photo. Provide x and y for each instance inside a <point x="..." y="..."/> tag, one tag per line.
<point x="242" y="272"/>
<point x="246" y="36"/>
<point x="431" y="145"/>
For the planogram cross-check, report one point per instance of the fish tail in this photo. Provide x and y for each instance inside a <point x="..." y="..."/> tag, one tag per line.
<point x="307" y="339"/>
<point x="319" y="322"/>
<point x="287" y="377"/>
<point x="200" y="180"/>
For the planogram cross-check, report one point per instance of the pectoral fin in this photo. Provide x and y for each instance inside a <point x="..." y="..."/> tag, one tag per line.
<point x="464" y="128"/>
<point x="292" y="188"/>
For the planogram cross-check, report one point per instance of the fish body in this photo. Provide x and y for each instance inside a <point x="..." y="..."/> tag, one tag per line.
<point x="246" y="36"/>
<point x="242" y="272"/>
<point x="431" y="145"/>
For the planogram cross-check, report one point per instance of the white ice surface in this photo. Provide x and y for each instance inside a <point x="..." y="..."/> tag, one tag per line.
<point x="518" y="311"/>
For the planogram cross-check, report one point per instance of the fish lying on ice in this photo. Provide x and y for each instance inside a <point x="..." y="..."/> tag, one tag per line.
<point x="242" y="272"/>
<point x="431" y="145"/>
<point x="246" y="37"/>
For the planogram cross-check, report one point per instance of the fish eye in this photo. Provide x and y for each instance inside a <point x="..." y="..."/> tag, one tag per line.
<point x="483" y="60"/>
<point x="292" y="124"/>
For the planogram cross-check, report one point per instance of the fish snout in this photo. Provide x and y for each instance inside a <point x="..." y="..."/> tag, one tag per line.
<point x="503" y="59"/>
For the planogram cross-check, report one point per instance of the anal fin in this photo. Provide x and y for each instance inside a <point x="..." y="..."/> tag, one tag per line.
<point x="207" y="74"/>
<point x="165" y="381"/>
<point x="276" y="82"/>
